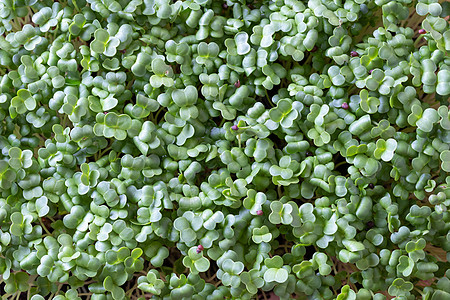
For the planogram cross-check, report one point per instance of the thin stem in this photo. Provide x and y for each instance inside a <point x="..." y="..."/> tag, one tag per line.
<point x="418" y="41"/>
<point x="340" y="164"/>
<point x="351" y="89"/>
<point x="129" y="84"/>
<point x="43" y="227"/>
<point x="64" y="121"/>
<point x="104" y="151"/>
<point x="419" y="291"/>
<point x="76" y="6"/>
<point x="56" y="32"/>
<point x="264" y="295"/>
<point x="211" y="278"/>
<point x="268" y="98"/>
<point x="155" y="119"/>
<point x="128" y="287"/>
<point x="59" y="288"/>
<point x="131" y="290"/>
<point x="334" y="267"/>
<point x="308" y="60"/>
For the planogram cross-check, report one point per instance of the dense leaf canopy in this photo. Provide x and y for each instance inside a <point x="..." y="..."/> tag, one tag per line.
<point x="209" y="149"/>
